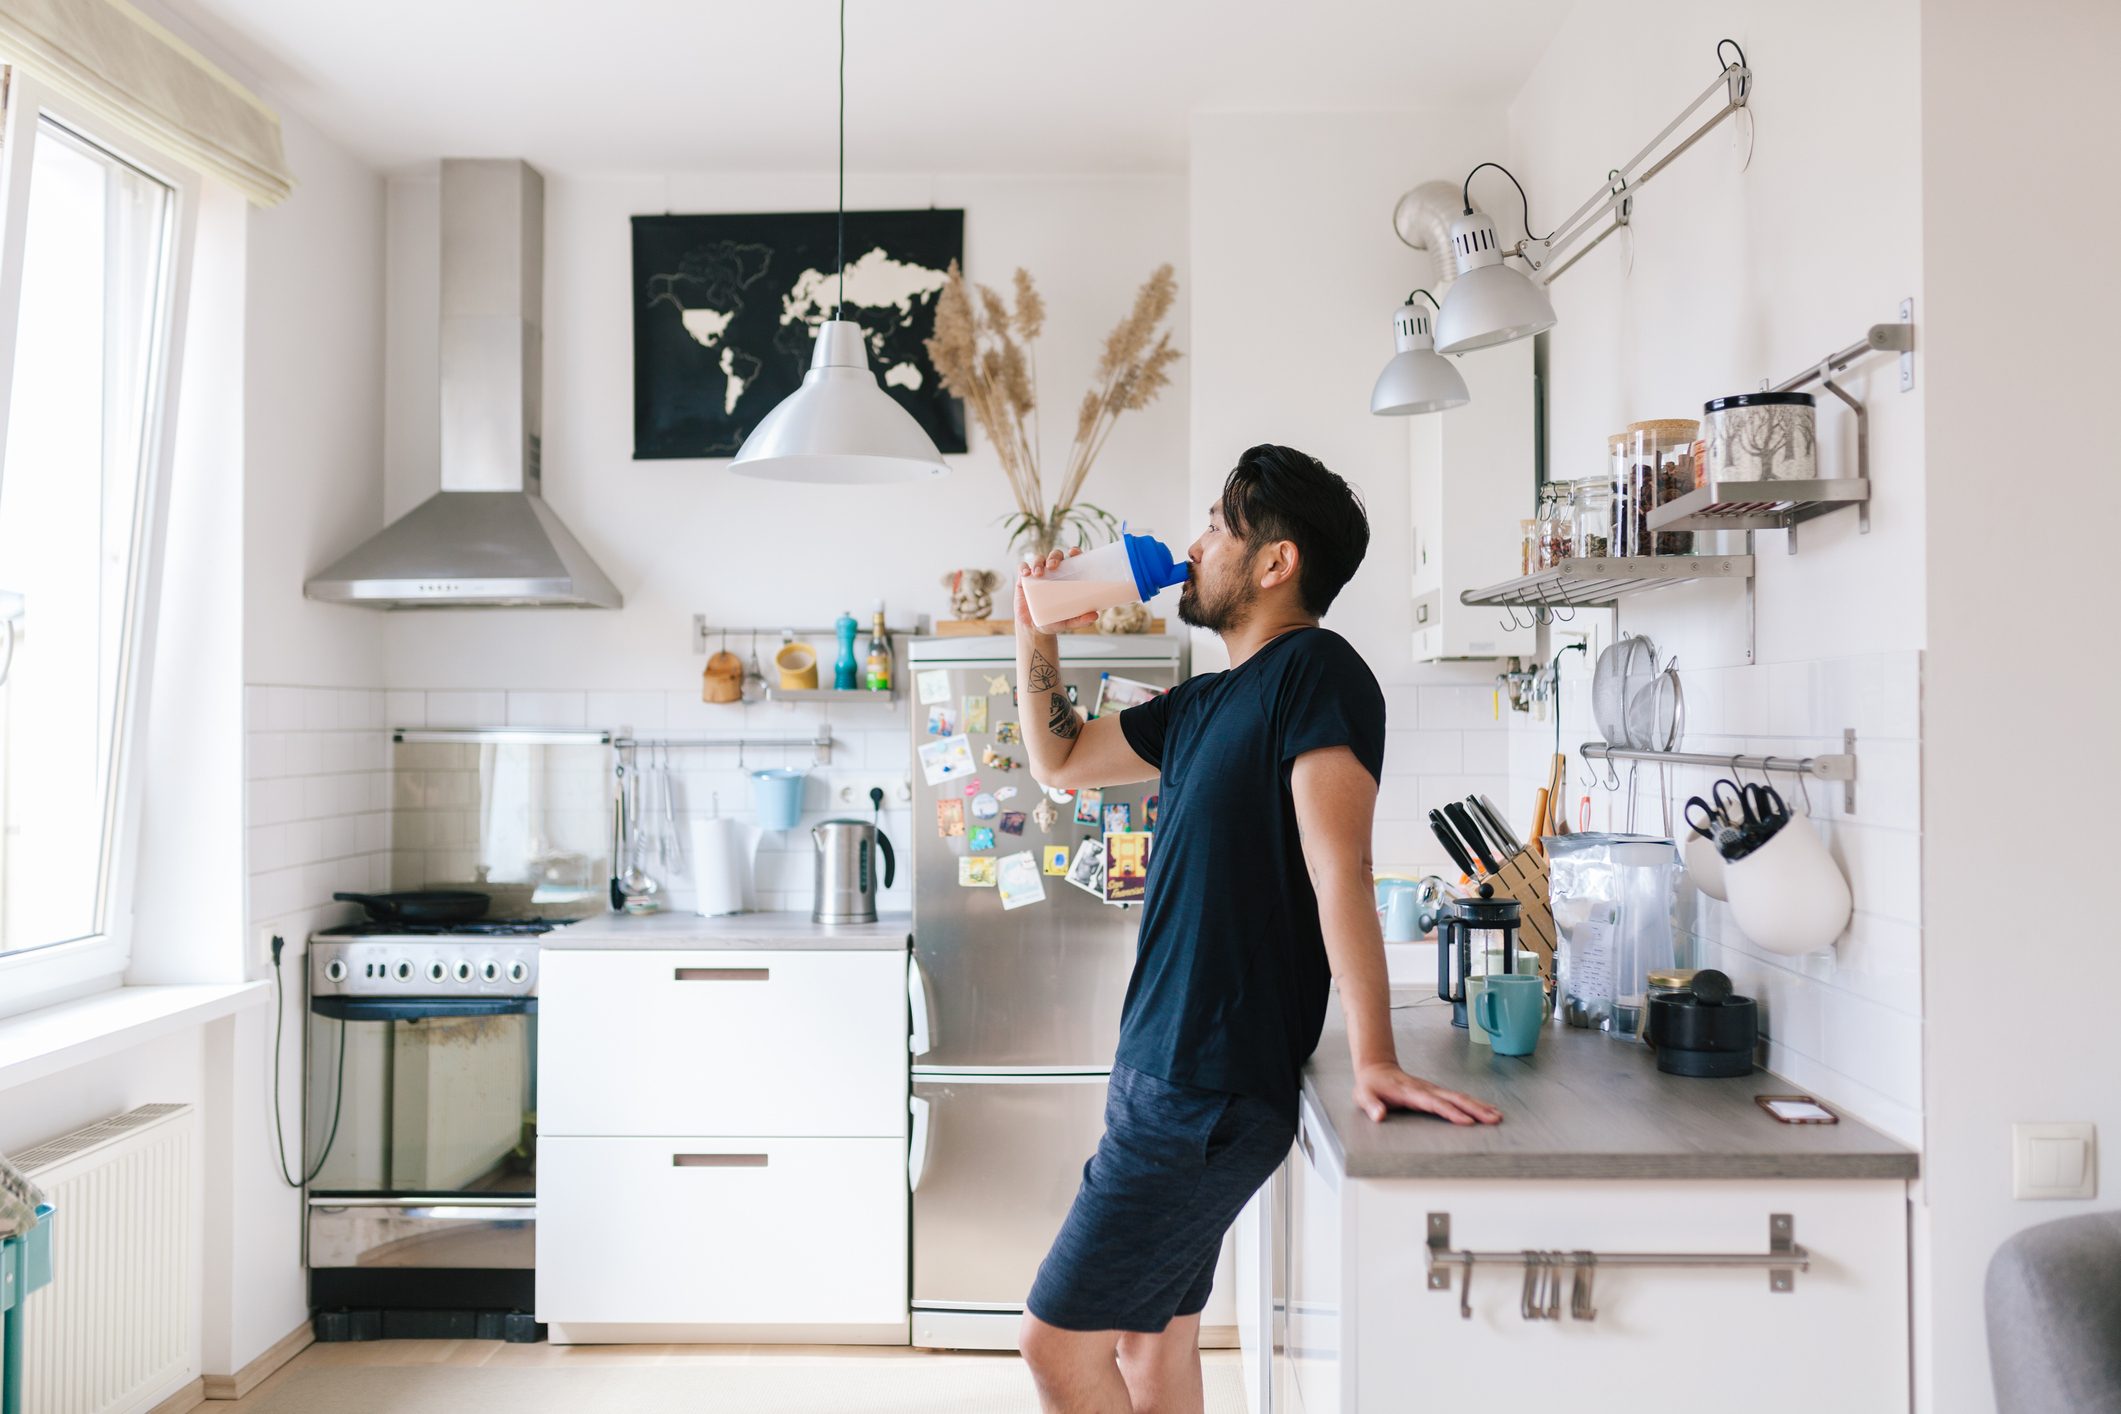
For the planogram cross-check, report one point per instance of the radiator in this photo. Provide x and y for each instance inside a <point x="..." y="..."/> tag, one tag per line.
<point x="117" y="1329"/>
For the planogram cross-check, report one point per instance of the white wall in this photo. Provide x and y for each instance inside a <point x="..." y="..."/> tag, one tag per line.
<point x="2006" y="118"/>
<point x="1296" y="274"/>
<point x="1733" y="272"/>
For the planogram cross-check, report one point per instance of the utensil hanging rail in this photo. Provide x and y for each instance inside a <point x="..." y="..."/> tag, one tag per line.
<point x="1784" y="1258"/>
<point x="820" y="742"/>
<point x="1832" y="766"/>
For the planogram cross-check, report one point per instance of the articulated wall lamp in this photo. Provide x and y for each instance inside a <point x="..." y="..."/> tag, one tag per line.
<point x="1493" y="303"/>
<point x="1418" y="379"/>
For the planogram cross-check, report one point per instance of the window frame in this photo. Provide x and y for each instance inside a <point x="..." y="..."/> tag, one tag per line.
<point x="54" y="972"/>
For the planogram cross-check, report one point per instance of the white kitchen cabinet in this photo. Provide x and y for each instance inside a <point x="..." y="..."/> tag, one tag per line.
<point x="669" y="1041"/>
<point x="1365" y="1332"/>
<point x="722" y="1232"/>
<point x="1473" y="477"/>
<point x="722" y="1145"/>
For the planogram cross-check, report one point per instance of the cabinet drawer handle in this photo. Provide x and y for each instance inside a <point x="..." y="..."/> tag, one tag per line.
<point x="723" y="974"/>
<point x="718" y="1161"/>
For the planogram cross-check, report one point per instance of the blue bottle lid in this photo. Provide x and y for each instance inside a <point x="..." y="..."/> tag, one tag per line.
<point x="1152" y="564"/>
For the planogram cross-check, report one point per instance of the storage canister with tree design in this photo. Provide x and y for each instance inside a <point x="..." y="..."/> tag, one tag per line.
<point x="1758" y="437"/>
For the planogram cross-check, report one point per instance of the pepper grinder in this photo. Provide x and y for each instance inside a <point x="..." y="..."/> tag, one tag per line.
<point x="844" y="668"/>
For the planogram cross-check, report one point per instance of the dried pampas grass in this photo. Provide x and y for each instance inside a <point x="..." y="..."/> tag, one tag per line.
<point x="982" y="350"/>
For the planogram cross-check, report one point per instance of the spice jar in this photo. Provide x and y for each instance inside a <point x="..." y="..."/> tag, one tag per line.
<point x="1529" y="529"/>
<point x="1591" y="512"/>
<point x="1653" y="463"/>
<point x="1556" y="527"/>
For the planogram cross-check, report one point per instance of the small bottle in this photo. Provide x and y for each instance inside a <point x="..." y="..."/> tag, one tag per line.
<point x="1130" y="570"/>
<point x="876" y="673"/>
<point x="843" y="669"/>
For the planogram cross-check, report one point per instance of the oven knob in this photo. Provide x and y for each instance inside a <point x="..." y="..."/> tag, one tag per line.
<point x="518" y="970"/>
<point x="437" y="971"/>
<point x="335" y="970"/>
<point x="463" y="972"/>
<point x="402" y="971"/>
<point x="491" y="972"/>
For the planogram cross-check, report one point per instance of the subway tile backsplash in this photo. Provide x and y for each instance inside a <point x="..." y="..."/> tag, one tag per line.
<point x="319" y="801"/>
<point x="1845" y="1022"/>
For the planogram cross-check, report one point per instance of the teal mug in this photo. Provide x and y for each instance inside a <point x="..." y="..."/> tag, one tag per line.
<point x="1511" y="1008"/>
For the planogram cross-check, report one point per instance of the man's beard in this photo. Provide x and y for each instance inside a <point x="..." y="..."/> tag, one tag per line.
<point x="1218" y="614"/>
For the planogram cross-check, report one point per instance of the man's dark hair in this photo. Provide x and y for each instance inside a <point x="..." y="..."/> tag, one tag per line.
<point x="1279" y="493"/>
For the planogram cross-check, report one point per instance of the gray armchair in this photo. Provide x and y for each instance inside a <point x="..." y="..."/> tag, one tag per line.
<point x="2054" y="1318"/>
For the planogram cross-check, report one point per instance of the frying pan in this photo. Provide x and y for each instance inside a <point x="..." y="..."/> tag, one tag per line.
<point x="422" y="905"/>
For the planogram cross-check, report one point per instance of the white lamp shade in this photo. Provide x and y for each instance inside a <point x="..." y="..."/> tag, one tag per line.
<point x="1488" y="305"/>
<point x="840" y="426"/>
<point x="1417" y="380"/>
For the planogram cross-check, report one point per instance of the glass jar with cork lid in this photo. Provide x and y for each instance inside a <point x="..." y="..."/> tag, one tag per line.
<point x="1653" y="464"/>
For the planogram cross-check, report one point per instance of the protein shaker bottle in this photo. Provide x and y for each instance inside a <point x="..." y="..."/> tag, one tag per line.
<point x="1127" y="571"/>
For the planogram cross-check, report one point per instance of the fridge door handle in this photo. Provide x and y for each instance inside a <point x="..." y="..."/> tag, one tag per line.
<point x="920" y="1040"/>
<point x="917" y="1149"/>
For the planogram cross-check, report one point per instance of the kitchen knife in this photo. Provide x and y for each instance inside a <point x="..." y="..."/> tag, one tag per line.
<point x="1470" y="833"/>
<point x="1490" y="844"/>
<point x="1450" y="843"/>
<point x="1504" y="835"/>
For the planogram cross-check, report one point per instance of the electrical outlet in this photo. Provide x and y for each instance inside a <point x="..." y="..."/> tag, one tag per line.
<point x="263" y="957"/>
<point x="856" y="794"/>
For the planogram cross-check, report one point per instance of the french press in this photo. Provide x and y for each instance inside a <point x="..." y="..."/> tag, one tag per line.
<point x="1468" y="928"/>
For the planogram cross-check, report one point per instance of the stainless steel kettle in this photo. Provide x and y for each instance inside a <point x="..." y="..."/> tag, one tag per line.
<point x="846" y="884"/>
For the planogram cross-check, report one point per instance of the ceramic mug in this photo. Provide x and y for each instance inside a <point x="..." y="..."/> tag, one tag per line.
<point x="1510" y="1008"/>
<point x="1475" y="1032"/>
<point x="1788" y="895"/>
<point x="798" y="665"/>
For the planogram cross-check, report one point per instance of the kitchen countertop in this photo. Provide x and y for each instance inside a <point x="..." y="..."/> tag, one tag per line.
<point x="1582" y="1105"/>
<point x="784" y="932"/>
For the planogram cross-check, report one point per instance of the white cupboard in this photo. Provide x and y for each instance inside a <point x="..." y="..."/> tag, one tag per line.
<point x="722" y="1145"/>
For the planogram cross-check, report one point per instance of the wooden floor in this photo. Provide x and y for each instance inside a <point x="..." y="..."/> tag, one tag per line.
<point x="415" y="1353"/>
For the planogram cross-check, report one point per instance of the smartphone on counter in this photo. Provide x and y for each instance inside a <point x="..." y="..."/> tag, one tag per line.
<point x="1796" y="1109"/>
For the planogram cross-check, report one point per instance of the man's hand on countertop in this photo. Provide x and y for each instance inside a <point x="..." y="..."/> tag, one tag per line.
<point x="1380" y="1088"/>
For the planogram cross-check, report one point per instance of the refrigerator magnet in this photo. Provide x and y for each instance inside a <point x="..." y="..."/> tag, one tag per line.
<point x="1087" y="802"/>
<point x="983" y="807"/>
<point x="980" y="837"/>
<point x="1056" y="856"/>
<point x="950" y="818"/>
<point x="1048" y="815"/>
<point x="999" y="762"/>
<point x="1016" y="875"/>
<point x="975" y="714"/>
<point x="1058" y="797"/>
<point x="1011" y="823"/>
<point x="1149" y="808"/>
<point x="1115" y="694"/>
<point x="1087" y="870"/>
<point x="973" y="787"/>
<point x="997" y="683"/>
<point x="1118" y="816"/>
<point x="1006" y="734"/>
<point x="934" y="686"/>
<point x="945" y="758"/>
<point x="976" y="873"/>
<point x="1005" y="793"/>
<point x="940" y="722"/>
<point x="1127" y="866"/>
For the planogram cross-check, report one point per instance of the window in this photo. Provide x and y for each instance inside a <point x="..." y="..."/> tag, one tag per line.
<point x="89" y="261"/>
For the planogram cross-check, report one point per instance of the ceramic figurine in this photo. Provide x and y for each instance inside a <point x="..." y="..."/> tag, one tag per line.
<point x="972" y="592"/>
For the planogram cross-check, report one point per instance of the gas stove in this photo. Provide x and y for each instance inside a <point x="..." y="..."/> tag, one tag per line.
<point x="486" y="958"/>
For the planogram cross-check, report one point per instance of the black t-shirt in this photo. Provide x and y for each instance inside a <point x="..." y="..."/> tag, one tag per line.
<point x="1230" y="978"/>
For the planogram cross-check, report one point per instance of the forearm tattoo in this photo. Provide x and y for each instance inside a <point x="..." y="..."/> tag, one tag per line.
<point x="1044" y="676"/>
<point x="1062" y="721"/>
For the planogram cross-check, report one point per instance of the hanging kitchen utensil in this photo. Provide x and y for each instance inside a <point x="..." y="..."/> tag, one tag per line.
<point x="754" y="675"/>
<point x="1639" y="698"/>
<point x="723" y="680"/>
<point x="421" y="905"/>
<point x="1620" y="664"/>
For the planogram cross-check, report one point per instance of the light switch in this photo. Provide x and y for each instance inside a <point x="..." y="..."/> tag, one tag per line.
<point x="2054" y="1161"/>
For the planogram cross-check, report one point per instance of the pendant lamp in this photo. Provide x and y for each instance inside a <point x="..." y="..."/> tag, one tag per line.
<point x="1489" y="303"/>
<point x="840" y="426"/>
<point x="1418" y="379"/>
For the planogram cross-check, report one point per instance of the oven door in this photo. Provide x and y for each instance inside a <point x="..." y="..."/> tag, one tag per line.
<point x="420" y="1131"/>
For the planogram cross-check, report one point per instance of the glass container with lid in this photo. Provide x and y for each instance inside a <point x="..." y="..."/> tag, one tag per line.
<point x="1653" y="463"/>
<point x="1591" y="511"/>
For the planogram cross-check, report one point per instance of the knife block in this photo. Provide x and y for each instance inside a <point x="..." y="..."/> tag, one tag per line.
<point x="1524" y="877"/>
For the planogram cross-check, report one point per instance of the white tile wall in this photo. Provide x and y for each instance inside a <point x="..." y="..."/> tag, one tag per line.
<point x="319" y="801"/>
<point x="1443" y="742"/>
<point x="1845" y="1022"/>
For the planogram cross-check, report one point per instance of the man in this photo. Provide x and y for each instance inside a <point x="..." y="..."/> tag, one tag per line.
<point x="1259" y="888"/>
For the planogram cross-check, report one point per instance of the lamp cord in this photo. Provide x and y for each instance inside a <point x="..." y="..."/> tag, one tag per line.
<point x="1427" y="296"/>
<point x="1466" y="197"/>
<point x="841" y="253"/>
<point x="1745" y="85"/>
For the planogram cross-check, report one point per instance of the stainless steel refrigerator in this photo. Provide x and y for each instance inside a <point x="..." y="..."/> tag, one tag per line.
<point x="1015" y="1012"/>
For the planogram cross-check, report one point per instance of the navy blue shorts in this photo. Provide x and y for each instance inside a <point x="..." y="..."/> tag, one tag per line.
<point x="1176" y="1166"/>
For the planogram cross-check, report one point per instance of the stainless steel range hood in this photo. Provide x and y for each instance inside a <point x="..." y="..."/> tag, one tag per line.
<point x="487" y="539"/>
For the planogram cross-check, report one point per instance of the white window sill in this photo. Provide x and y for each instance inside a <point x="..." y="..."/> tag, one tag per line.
<point x="55" y="1038"/>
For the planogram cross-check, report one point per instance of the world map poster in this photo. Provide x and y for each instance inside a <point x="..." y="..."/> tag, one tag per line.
<point x="725" y="309"/>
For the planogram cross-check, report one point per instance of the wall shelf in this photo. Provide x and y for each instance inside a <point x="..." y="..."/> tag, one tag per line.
<point x="829" y="694"/>
<point x="1758" y="505"/>
<point x="1597" y="583"/>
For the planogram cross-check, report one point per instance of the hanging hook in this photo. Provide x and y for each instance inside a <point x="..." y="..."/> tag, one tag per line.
<point x="1612" y="771"/>
<point x="1804" y="790"/>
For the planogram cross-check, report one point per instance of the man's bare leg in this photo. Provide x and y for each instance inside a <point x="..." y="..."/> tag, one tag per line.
<point x="1077" y="1372"/>
<point x="1162" y="1371"/>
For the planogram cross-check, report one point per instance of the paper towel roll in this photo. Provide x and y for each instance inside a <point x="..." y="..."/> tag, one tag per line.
<point x="722" y="851"/>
